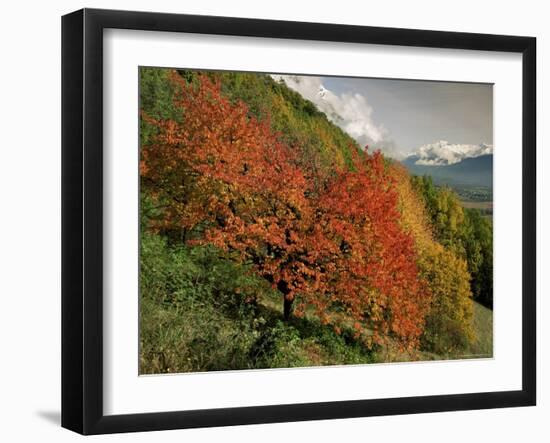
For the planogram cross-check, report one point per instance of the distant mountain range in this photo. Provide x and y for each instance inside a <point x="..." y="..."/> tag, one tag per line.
<point x="442" y="152"/>
<point x="472" y="171"/>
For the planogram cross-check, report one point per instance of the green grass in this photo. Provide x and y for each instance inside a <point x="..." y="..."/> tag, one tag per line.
<point x="186" y="338"/>
<point x="483" y="327"/>
<point x="484" y="207"/>
<point x="477" y="204"/>
<point x="200" y="311"/>
<point x="482" y="345"/>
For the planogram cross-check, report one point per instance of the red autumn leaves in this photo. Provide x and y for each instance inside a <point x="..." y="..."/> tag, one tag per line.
<point x="330" y="242"/>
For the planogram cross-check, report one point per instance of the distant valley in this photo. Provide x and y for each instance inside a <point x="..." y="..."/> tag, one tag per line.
<point x="471" y="178"/>
<point x="477" y="171"/>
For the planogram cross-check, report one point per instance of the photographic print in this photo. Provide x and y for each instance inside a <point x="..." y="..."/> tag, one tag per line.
<point x="298" y="220"/>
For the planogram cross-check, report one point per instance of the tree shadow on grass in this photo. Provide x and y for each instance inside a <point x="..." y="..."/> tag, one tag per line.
<point x="311" y="328"/>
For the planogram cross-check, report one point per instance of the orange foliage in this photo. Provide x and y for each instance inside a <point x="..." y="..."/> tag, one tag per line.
<point x="333" y="243"/>
<point x="375" y="271"/>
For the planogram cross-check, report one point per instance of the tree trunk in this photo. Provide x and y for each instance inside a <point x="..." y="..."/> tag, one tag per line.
<point x="287" y="308"/>
<point x="282" y="286"/>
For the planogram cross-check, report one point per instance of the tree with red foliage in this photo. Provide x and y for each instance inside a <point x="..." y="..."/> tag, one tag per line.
<point x="228" y="172"/>
<point x="375" y="273"/>
<point x="225" y="177"/>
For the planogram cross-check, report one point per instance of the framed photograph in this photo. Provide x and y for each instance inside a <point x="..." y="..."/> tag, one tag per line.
<point x="269" y="221"/>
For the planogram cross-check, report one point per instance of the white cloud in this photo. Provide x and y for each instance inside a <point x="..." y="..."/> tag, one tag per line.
<point x="445" y="153"/>
<point x="350" y="111"/>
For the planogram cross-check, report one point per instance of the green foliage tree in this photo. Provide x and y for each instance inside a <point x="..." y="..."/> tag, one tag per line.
<point x="480" y="242"/>
<point x="155" y="97"/>
<point x="463" y="231"/>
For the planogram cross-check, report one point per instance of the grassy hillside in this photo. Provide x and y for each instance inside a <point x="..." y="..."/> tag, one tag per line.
<point x="212" y="292"/>
<point x="483" y="325"/>
<point x="191" y="321"/>
<point x="195" y="316"/>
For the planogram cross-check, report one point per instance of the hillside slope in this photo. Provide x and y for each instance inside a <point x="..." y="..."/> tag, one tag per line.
<point x="269" y="238"/>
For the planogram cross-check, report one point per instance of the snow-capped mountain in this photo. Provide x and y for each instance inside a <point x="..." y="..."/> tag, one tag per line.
<point x="442" y="153"/>
<point x="453" y="164"/>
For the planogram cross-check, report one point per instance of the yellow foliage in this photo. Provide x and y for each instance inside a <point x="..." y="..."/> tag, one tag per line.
<point x="413" y="213"/>
<point x="449" y="322"/>
<point x="448" y="326"/>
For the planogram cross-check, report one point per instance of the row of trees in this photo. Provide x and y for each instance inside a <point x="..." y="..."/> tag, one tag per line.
<point x="463" y="231"/>
<point x="448" y="327"/>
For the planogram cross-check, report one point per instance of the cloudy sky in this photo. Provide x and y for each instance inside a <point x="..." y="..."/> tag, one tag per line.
<point x="442" y="122"/>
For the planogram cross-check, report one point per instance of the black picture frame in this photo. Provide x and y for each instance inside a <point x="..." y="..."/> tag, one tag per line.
<point x="82" y="218"/>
